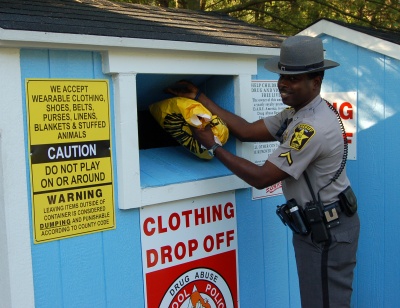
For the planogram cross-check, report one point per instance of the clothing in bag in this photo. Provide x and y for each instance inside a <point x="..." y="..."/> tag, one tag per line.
<point x="177" y="113"/>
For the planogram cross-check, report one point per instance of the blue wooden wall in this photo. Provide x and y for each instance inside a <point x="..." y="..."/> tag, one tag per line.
<point x="374" y="177"/>
<point x="96" y="270"/>
<point x="374" y="174"/>
<point x="105" y="269"/>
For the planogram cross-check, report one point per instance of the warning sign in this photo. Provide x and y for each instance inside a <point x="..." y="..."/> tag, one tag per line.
<point x="70" y="157"/>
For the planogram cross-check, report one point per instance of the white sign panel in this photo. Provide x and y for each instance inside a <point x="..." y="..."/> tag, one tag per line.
<point x="192" y="244"/>
<point x="266" y="102"/>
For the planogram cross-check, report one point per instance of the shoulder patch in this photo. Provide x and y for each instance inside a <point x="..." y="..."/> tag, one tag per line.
<point x="302" y="134"/>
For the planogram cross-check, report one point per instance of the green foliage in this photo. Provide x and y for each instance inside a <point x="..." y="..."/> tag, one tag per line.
<point x="291" y="16"/>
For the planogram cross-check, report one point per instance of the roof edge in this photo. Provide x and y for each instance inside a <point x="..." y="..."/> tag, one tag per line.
<point x="363" y="40"/>
<point x="36" y="39"/>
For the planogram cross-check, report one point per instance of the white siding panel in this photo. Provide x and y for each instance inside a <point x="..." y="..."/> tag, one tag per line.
<point x="15" y="256"/>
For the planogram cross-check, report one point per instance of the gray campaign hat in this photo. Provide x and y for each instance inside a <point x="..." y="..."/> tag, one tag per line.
<point x="300" y="54"/>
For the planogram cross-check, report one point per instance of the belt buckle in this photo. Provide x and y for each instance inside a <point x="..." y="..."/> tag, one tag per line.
<point x="331" y="215"/>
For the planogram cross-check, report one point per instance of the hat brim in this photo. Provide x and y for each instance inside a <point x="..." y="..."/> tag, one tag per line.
<point x="272" y="65"/>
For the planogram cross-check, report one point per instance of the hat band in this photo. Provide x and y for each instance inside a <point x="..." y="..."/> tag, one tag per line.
<point x="292" y="68"/>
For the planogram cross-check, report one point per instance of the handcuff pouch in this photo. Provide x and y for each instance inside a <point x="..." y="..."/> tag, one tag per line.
<point x="348" y="201"/>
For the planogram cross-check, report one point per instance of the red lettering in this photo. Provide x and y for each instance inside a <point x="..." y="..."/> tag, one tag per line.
<point x="220" y="239"/>
<point x="208" y="209"/>
<point x="170" y="253"/>
<point x="229" y="237"/>
<point x="229" y="211"/>
<point x="208" y="243"/>
<point x="146" y="229"/>
<point x="193" y="245"/>
<point x="151" y="257"/>
<point x="349" y="136"/>
<point x="346" y="111"/>
<point x="177" y="218"/>
<point x="216" y="295"/>
<point x="217" y="212"/>
<point x="186" y="214"/>
<point x="166" y="254"/>
<point x="182" y="247"/>
<point x="199" y="216"/>
<point x="273" y="187"/>
<point x="161" y="229"/>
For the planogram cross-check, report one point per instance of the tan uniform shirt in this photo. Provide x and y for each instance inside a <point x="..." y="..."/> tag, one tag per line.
<point x="313" y="142"/>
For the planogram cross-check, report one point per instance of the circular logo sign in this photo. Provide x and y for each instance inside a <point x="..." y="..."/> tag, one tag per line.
<point x="199" y="288"/>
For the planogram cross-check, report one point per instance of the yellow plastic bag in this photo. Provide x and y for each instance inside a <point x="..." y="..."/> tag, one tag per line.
<point x="176" y="114"/>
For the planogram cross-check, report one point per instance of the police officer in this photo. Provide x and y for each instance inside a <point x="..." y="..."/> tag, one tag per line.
<point x="311" y="143"/>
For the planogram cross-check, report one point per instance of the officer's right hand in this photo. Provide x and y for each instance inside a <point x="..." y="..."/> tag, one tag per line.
<point x="182" y="88"/>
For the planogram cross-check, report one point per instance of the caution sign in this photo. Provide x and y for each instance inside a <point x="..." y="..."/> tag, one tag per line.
<point x="71" y="173"/>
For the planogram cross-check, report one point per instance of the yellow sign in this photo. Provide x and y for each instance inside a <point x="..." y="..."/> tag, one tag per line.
<point x="70" y="157"/>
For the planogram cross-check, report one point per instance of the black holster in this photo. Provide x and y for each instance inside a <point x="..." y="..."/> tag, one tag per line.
<point x="291" y="214"/>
